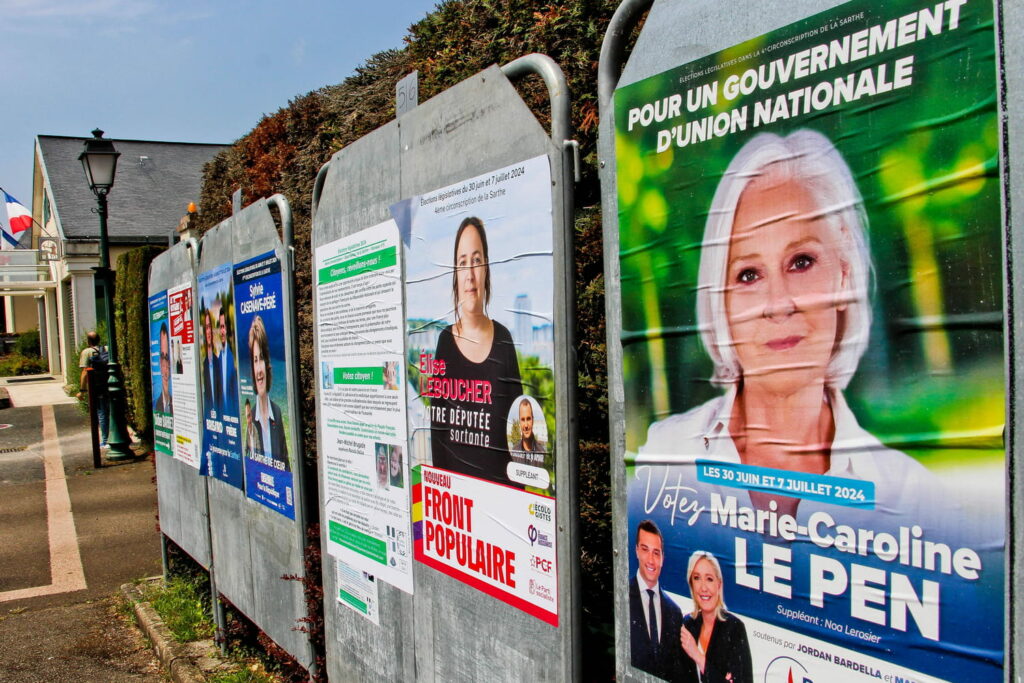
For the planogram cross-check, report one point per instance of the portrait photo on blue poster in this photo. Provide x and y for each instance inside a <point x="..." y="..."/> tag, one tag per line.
<point x="262" y="371"/>
<point x="160" y="372"/>
<point x="811" y="253"/>
<point x="222" y="434"/>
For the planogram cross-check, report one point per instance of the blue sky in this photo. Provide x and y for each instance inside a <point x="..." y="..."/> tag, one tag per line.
<point x="181" y="71"/>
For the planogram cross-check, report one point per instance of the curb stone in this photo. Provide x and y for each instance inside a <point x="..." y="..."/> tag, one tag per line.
<point x="179" y="660"/>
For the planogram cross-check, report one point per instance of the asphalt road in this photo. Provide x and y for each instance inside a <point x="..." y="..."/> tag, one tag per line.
<point x="70" y="535"/>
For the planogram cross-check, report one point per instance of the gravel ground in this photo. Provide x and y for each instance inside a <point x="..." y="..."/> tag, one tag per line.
<point x="90" y="641"/>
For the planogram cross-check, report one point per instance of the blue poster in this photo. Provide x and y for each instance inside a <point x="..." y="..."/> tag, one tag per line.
<point x="160" y="371"/>
<point x="262" y="369"/>
<point x="222" y="445"/>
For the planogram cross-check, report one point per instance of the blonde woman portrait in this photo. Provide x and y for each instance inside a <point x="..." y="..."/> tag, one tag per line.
<point x="784" y="313"/>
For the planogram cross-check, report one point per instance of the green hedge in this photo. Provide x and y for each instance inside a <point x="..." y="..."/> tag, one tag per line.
<point x="460" y="37"/>
<point x="131" y="320"/>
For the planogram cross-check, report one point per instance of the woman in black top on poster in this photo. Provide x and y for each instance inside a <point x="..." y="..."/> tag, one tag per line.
<point x="481" y="369"/>
<point x="714" y="639"/>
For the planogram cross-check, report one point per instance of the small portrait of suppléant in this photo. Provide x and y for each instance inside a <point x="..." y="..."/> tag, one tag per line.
<point x="527" y="432"/>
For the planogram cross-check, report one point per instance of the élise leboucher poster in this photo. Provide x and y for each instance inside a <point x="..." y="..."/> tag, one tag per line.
<point x="480" y="385"/>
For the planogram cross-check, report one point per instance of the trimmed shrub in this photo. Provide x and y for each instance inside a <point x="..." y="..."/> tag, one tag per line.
<point x="285" y="150"/>
<point x="28" y="344"/>
<point x="15" y="364"/>
<point x="131" y="320"/>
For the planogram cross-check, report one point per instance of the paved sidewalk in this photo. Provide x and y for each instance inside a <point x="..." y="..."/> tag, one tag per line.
<point x="70" y="535"/>
<point x="41" y="393"/>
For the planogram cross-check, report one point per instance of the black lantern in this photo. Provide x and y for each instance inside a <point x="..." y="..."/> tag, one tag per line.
<point x="99" y="159"/>
<point x="100" y="162"/>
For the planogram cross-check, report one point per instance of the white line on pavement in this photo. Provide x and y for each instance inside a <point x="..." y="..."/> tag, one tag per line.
<point x="66" y="571"/>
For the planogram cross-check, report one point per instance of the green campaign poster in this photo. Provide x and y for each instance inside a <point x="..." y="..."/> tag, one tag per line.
<point x="811" y="251"/>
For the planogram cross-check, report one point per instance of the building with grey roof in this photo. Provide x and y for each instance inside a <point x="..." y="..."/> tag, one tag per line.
<point x="154" y="184"/>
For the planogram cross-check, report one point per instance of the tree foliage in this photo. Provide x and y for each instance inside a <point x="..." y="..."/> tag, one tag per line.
<point x="286" y="149"/>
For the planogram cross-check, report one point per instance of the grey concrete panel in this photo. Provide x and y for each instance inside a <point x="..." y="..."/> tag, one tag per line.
<point x="474" y="127"/>
<point x="229" y="534"/>
<point x="181" y="491"/>
<point x="231" y="542"/>
<point x="362" y="182"/>
<point x="678" y="32"/>
<point x="275" y="543"/>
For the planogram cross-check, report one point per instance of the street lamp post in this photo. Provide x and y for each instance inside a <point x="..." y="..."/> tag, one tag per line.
<point x="99" y="159"/>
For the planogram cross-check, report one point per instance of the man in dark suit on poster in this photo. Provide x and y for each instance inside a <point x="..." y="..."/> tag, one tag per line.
<point x="654" y="619"/>
<point x="228" y="376"/>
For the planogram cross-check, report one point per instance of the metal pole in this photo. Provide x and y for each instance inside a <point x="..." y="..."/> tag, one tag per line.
<point x="318" y="188"/>
<point x="609" y="67"/>
<point x="164" y="561"/>
<point x="216" y="606"/>
<point x="609" y="71"/>
<point x="558" y="90"/>
<point x="94" y="431"/>
<point x="561" y="125"/>
<point x="117" y="437"/>
<point x="304" y="502"/>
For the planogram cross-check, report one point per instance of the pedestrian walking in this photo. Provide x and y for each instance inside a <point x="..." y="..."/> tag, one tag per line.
<point x="93" y="362"/>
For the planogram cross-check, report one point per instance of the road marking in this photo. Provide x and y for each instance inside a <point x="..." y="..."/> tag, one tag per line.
<point x="66" y="571"/>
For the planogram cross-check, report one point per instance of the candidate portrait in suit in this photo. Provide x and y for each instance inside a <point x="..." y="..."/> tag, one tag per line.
<point x="211" y="381"/>
<point x="654" y="619"/>
<point x="163" y="402"/>
<point x="228" y="404"/>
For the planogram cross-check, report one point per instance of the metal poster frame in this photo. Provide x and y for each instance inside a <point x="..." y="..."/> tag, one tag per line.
<point x="447" y="630"/>
<point x="709" y="28"/>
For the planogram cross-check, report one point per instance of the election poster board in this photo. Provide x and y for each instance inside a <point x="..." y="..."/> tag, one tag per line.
<point x="222" y="436"/>
<point x="481" y="394"/>
<point x="160" y="372"/>
<point x="185" y="445"/>
<point x="364" y="456"/>
<point x="264" y="411"/>
<point x="812" y="333"/>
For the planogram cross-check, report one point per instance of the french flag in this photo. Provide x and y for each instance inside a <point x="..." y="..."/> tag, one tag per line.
<point x="20" y="221"/>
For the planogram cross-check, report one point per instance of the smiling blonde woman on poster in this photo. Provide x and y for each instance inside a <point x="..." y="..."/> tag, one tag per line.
<point x="784" y="313"/>
<point x="714" y="639"/>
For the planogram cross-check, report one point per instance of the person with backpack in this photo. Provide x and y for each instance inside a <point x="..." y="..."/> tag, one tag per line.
<point x="93" y="362"/>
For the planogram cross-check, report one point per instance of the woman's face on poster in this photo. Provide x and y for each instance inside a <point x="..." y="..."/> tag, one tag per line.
<point x="259" y="370"/>
<point x="208" y="332"/>
<point x="705" y="585"/>
<point x="784" y="285"/>
<point x="396" y="461"/>
<point x="471" y="271"/>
